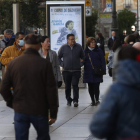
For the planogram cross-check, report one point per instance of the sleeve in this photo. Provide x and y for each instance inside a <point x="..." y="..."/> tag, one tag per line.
<point x="82" y="56"/>
<point x="5" y="59"/>
<point x="59" y="78"/>
<point x="51" y="91"/>
<point x="104" y="119"/>
<point x="60" y="55"/>
<point x="102" y="60"/>
<point x="5" y="88"/>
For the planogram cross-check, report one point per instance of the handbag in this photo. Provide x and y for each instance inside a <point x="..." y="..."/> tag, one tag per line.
<point x="97" y="70"/>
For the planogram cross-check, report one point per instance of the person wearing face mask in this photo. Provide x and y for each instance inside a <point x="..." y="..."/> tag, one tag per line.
<point x="51" y="56"/>
<point x="13" y="51"/>
<point x="94" y="58"/>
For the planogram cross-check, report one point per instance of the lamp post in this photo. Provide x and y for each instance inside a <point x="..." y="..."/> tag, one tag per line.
<point x="138" y="19"/>
<point x="114" y="18"/>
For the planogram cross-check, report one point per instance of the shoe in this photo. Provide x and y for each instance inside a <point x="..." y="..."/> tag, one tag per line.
<point x="68" y="103"/>
<point x="75" y="104"/>
<point x="97" y="103"/>
<point x="92" y="104"/>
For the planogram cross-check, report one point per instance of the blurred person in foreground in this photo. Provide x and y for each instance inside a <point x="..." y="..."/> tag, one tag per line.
<point x="51" y="56"/>
<point x="131" y="40"/>
<point x="137" y="45"/>
<point x="118" y="115"/>
<point x="137" y="38"/>
<point x="34" y="89"/>
<point x="94" y="57"/>
<point x="100" y="42"/>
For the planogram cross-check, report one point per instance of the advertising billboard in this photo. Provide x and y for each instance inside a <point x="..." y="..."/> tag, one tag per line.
<point x="63" y="19"/>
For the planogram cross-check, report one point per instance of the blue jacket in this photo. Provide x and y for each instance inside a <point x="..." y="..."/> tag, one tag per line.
<point x="97" y="58"/>
<point x="119" y="114"/>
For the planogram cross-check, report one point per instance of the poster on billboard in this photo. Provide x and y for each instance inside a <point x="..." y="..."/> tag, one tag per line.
<point x="64" y="20"/>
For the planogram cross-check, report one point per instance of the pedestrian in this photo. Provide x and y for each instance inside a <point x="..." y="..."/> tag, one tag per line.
<point x="13" y="51"/>
<point x="137" y="38"/>
<point x="71" y="58"/>
<point x="112" y="40"/>
<point x="118" y="115"/>
<point x="94" y="57"/>
<point x="131" y="40"/>
<point x="125" y="41"/>
<point x="110" y="58"/>
<point x="34" y="93"/>
<point x="9" y="37"/>
<point x="100" y="42"/>
<point x="50" y="55"/>
<point x="123" y="37"/>
<point x="137" y="45"/>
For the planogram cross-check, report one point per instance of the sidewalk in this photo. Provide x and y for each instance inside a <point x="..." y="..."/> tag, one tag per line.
<point x="72" y="123"/>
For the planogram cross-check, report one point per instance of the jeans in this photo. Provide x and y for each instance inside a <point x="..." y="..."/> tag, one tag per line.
<point x="22" y="125"/>
<point x="94" y="91"/>
<point x="71" y="78"/>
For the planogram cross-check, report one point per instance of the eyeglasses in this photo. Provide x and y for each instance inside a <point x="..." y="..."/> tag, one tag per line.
<point x="72" y="39"/>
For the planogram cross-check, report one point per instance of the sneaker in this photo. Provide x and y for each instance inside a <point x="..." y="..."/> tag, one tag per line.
<point x="97" y="103"/>
<point x="75" y="104"/>
<point x="68" y="103"/>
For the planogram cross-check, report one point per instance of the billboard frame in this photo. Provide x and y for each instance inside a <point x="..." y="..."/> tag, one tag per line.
<point x="66" y="3"/>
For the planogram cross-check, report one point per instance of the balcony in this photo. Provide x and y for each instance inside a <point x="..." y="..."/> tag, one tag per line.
<point x="127" y="6"/>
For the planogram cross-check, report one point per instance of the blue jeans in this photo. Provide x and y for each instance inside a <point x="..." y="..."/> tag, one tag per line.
<point x="22" y="125"/>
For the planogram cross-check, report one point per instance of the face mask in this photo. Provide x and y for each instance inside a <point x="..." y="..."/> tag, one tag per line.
<point x="21" y="43"/>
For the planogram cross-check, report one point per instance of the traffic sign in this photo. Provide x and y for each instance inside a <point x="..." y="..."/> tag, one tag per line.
<point x="108" y="5"/>
<point x="88" y="12"/>
<point x="87" y="2"/>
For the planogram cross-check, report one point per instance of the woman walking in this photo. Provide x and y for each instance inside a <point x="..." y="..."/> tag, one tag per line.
<point x="100" y="42"/>
<point x="94" y="58"/>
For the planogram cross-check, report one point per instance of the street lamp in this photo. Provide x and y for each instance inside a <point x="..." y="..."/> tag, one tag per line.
<point x="114" y="18"/>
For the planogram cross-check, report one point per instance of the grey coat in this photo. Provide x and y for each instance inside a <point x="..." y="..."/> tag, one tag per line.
<point x="54" y="62"/>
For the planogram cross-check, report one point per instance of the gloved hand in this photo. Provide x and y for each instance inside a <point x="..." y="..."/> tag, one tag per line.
<point x="59" y="84"/>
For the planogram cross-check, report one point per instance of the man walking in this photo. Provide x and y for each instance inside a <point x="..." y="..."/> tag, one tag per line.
<point x="34" y="89"/>
<point x="73" y="56"/>
<point x="112" y="40"/>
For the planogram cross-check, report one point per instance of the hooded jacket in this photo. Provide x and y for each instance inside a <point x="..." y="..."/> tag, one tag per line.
<point x="119" y="114"/>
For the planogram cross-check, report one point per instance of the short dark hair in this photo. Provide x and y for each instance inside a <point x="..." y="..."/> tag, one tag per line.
<point x="70" y="35"/>
<point x="116" y="45"/>
<point x="128" y="53"/>
<point x="131" y="38"/>
<point x="32" y="39"/>
<point x="67" y="23"/>
<point x="17" y="34"/>
<point x="100" y="35"/>
<point x="43" y="38"/>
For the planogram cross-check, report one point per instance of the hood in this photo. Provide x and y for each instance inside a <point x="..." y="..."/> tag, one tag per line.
<point x="128" y="73"/>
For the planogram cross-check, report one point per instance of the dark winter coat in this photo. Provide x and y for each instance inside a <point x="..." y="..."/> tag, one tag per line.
<point x="119" y="114"/>
<point x="101" y="41"/>
<point x="97" y="59"/>
<point x="33" y="84"/>
<point x="111" y="42"/>
<point x="11" y="41"/>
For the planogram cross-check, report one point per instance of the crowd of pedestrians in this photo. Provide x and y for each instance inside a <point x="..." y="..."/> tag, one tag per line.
<point x="31" y="77"/>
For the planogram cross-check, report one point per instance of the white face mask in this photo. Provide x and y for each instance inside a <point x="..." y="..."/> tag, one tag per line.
<point x="21" y="43"/>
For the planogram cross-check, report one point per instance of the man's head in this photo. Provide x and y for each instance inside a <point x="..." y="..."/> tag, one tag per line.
<point x="45" y="42"/>
<point x="71" y="39"/>
<point x="19" y="39"/>
<point x="137" y="46"/>
<point x="113" y="33"/>
<point x="124" y="32"/>
<point x="69" y="24"/>
<point x="32" y="41"/>
<point x="35" y="31"/>
<point x="8" y="33"/>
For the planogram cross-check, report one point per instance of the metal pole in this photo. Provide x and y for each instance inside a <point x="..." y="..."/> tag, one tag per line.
<point x="138" y="19"/>
<point x="16" y="18"/>
<point x="114" y="18"/>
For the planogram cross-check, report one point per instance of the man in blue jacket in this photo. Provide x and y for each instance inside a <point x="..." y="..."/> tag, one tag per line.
<point x="73" y="57"/>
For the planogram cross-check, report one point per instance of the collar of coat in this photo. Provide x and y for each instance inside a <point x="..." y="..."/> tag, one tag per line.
<point x="22" y="48"/>
<point x="88" y="50"/>
<point x="31" y="51"/>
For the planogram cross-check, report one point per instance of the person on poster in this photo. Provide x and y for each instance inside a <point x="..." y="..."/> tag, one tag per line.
<point x="68" y="29"/>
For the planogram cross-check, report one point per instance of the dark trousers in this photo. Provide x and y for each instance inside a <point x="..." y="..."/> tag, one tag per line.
<point x="94" y="91"/>
<point x="22" y="125"/>
<point x="71" y="78"/>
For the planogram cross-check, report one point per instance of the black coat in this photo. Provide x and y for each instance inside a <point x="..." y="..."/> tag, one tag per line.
<point x="101" y="41"/>
<point x="10" y="42"/>
<point x="111" y="42"/>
